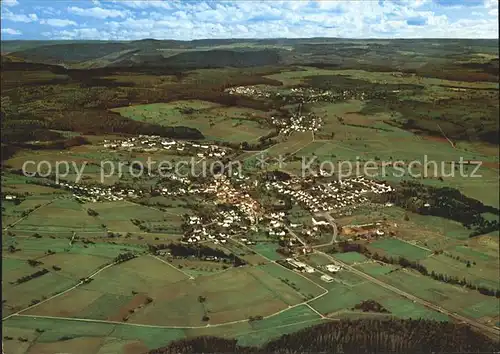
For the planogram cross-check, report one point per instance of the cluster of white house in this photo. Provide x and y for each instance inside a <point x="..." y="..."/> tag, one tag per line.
<point x="97" y="193"/>
<point x="305" y="268"/>
<point x="221" y="227"/>
<point x="371" y="185"/>
<point x="298" y="123"/>
<point x="152" y="143"/>
<point x="329" y="196"/>
<point x="202" y="232"/>
<point x="276" y="225"/>
<point x="289" y="188"/>
<point x="248" y="91"/>
<point x="303" y="94"/>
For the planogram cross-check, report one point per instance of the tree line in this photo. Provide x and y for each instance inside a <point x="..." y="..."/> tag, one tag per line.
<point x="365" y="336"/>
<point x="198" y="251"/>
<point x="26" y="278"/>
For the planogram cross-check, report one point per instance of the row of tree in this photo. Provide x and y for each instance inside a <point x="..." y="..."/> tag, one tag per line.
<point x="406" y="263"/>
<point x="31" y="276"/>
<point x="123" y="257"/>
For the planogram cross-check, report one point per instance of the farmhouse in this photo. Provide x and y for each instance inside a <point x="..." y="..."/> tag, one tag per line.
<point x="326" y="278"/>
<point x="300" y="266"/>
<point x="319" y="221"/>
<point x="333" y="268"/>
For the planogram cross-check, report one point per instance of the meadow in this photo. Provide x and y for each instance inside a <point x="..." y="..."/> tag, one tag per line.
<point x="397" y="248"/>
<point x="467" y="302"/>
<point x="216" y="122"/>
<point x="48" y="334"/>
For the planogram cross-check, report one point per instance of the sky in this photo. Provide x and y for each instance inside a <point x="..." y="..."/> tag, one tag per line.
<point x="187" y="20"/>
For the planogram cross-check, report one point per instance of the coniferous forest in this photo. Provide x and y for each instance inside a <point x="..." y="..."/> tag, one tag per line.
<point x="357" y="336"/>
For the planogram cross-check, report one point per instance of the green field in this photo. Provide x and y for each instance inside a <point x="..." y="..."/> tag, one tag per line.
<point x="267" y="249"/>
<point x="55" y="330"/>
<point x="49" y="218"/>
<point x="481" y="274"/>
<point x="454" y="298"/>
<point x="81" y="334"/>
<point x="351" y="257"/>
<point x="397" y="248"/>
<point x="375" y="269"/>
<point x="214" y="121"/>
<point x="306" y="287"/>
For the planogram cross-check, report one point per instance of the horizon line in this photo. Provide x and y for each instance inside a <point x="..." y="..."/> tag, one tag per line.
<point x="251" y="38"/>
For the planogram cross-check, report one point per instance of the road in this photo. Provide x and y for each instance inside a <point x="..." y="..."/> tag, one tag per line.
<point x="295" y="235"/>
<point x="331" y="220"/>
<point x="171" y="265"/>
<point x="435" y="307"/>
<point x="484" y="328"/>
<point x="24" y="217"/>
<point x="475" y="324"/>
<point x="72" y="239"/>
<point x="306" y="303"/>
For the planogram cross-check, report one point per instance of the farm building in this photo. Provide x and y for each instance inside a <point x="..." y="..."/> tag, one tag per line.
<point x="333" y="268"/>
<point x="326" y="278"/>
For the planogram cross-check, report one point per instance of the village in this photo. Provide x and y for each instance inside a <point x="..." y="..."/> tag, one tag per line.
<point x="154" y="143"/>
<point x="300" y="94"/>
<point x="240" y="216"/>
<point x="298" y="123"/>
<point x="329" y="196"/>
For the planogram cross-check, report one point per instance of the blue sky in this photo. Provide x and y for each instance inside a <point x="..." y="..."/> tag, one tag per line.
<point x="186" y="20"/>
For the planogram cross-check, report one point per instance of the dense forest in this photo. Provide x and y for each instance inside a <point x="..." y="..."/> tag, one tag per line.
<point x="360" y="337"/>
<point x="445" y="202"/>
<point x="201" y="252"/>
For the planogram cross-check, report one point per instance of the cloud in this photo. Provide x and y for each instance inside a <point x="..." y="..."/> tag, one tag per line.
<point x="8" y="15"/>
<point x="10" y="3"/>
<point x="185" y="20"/>
<point x="417" y="21"/>
<point x="55" y="22"/>
<point x="492" y="7"/>
<point x="97" y="12"/>
<point x="49" y="11"/>
<point x="143" y="4"/>
<point x="459" y="3"/>
<point x="11" y="31"/>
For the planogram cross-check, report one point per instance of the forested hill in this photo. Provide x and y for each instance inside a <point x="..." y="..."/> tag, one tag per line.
<point x="212" y="59"/>
<point x="442" y="58"/>
<point x="360" y="337"/>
